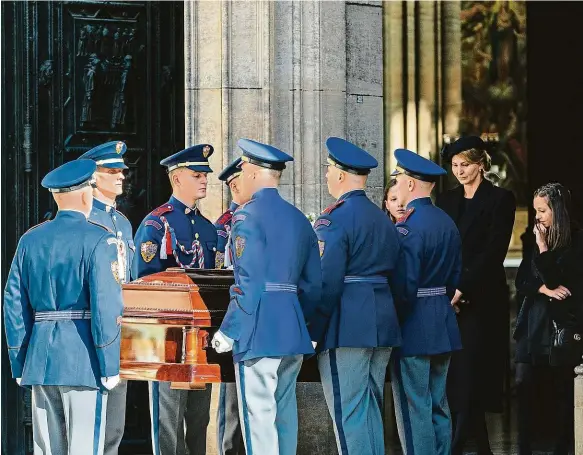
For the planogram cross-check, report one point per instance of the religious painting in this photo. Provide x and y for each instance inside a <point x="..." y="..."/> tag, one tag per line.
<point x="494" y="86"/>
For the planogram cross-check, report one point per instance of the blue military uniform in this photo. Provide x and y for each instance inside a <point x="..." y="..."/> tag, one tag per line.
<point x="176" y="235"/>
<point x="229" y="435"/>
<point x="356" y="323"/>
<point x="109" y="216"/>
<point x="223" y="224"/>
<point x="277" y="281"/>
<point x="110" y="155"/>
<point x="62" y="315"/>
<point x="430" y="269"/>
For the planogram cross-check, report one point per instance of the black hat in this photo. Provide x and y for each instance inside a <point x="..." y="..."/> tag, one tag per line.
<point x="461" y="145"/>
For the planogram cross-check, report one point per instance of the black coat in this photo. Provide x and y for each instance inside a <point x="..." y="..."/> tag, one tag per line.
<point x="476" y="374"/>
<point x="534" y="326"/>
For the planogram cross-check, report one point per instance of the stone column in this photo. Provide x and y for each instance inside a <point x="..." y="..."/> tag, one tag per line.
<point x="417" y="110"/>
<point x="411" y="70"/>
<point x="452" y="68"/>
<point x="364" y="85"/>
<point x="394" y="116"/>
<point x="426" y="118"/>
<point x="228" y="66"/>
<point x="291" y="73"/>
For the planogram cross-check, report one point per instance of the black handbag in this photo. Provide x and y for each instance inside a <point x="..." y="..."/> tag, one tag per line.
<point x="567" y="338"/>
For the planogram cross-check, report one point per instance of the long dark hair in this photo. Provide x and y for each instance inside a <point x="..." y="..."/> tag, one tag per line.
<point x="392" y="183"/>
<point x="559" y="200"/>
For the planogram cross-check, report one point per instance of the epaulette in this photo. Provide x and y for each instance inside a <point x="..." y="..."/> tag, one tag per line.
<point x="406" y="215"/>
<point x="164" y="208"/>
<point x="36" y="225"/>
<point x="225" y="218"/>
<point x="328" y="210"/>
<point x="101" y="226"/>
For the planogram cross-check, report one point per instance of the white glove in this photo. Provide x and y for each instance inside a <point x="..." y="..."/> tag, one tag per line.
<point x="110" y="383"/>
<point x="18" y="380"/>
<point x="222" y="343"/>
<point x="314" y="344"/>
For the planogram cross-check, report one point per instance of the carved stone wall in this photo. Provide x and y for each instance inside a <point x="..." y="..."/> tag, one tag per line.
<point x="291" y="73"/>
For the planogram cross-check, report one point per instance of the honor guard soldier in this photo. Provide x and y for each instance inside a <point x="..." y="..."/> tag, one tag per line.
<point x="109" y="179"/>
<point x="177" y="235"/>
<point x="230" y="440"/>
<point x="277" y="281"/>
<point x="356" y="323"/>
<point x="230" y="176"/>
<point x="430" y="271"/>
<point x="62" y="315"/>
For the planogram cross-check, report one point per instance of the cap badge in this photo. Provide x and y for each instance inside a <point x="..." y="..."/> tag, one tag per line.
<point x="118" y="147"/>
<point x="205" y="151"/>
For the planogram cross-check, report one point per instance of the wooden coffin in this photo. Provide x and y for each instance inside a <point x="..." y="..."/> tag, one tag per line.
<point x="168" y="322"/>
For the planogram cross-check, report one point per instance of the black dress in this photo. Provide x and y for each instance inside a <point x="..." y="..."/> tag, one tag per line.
<point x="475" y="380"/>
<point x="476" y="375"/>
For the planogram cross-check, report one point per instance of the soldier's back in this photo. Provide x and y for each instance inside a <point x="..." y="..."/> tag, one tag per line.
<point x="68" y="266"/>
<point x="429" y="273"/>
<point x="441" y="243"/>
<point x="360" y="250"/>
<point x="373" y="239"/>
<point x="58" y="254"/>
<point x="275" y="283"/>
<point x="288" y="234"/>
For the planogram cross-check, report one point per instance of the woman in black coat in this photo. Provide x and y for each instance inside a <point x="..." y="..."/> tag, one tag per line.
<point x="549" y="324"/>
<point x="484" y="215"/>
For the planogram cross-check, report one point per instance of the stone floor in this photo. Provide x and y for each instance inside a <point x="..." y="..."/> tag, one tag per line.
<point x="316" y="436"/>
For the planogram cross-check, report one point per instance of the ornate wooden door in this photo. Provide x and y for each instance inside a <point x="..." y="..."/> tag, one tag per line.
<point x="74" y="75"/>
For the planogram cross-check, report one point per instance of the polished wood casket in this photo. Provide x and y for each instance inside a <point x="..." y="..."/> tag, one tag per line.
<point x="168" y="322"/>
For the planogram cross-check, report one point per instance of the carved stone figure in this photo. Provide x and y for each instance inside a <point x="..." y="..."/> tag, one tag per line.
<point x="117" y="44"/>
<point x="82" y="42"/>
<point x="46" y="72"/>
<point x="118" y="116"/>
<point x="105" y="42"/>
<point x="90" y="85"/>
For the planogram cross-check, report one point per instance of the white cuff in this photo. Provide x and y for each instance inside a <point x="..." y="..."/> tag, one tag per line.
<point x="110" y="383"/>
<point x="222" y="343"/>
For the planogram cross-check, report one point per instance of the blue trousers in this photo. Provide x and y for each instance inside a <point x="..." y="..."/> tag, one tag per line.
<point x="268" y="409"/>
<point x="229" y="435"/>
<point x="353" y="381"/>
<point x="422" y="412"/>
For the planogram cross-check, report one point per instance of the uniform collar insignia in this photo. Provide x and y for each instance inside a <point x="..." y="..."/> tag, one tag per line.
<point x="406" y="215"/>
<point x="331" y="208"/>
